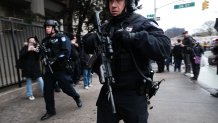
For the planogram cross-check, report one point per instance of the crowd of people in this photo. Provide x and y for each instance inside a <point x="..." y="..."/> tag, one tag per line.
<point x="186" y="50"/>
<point x="63" y="63"/>
<point x="135" y="42"/>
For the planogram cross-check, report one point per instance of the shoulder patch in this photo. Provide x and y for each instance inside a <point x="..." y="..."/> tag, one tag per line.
<point x="154" y="24"/>
<point x="63" y="39"/>
<point x="129" y="29"/>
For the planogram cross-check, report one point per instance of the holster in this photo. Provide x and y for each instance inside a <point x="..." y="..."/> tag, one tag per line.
<point x="69" y="66"/>
<point x="148" y="86"/>
<point x="145" y="86"/>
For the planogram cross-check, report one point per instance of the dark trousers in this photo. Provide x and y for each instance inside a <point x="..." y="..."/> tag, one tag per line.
<point x="187" y="63"/>
<point x="130" y="106"/>
<point x="160" y="65"/>
<point x="168" y="62"/>
<point x="177" y="63"/>
<point x="63" y="80"/>
<point x="195" y="68"/>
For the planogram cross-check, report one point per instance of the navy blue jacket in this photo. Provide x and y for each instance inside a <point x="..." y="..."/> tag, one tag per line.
<point x="149" y="43"/>
<point x="59" y="50"/>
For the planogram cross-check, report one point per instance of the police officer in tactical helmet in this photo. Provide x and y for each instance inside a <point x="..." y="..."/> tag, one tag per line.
<point x="52" y="23"/>
<point x="55" y="25"/>
<point x="58" y="49"/>
<point x="135" y="40"/>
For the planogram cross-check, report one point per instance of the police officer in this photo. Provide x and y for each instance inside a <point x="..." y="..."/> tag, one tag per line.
<point x="131" y="35"/>
<point x="58" y="51"/>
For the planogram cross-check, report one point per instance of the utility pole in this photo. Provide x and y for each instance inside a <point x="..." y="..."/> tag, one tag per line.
<point x="155" y="9"/>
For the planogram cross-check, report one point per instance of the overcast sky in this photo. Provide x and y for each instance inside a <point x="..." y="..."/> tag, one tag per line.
<point x="191" y="18"/>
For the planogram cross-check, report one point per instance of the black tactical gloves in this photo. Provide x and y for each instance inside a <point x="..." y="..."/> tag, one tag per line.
<point x="123" y="38"/>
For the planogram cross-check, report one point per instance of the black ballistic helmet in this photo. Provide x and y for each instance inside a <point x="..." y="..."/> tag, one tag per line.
<point x="52" y="23"/>
<point x="131" y="5"/>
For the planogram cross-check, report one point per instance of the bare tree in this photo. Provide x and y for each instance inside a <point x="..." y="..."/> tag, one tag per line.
<point x="208" y="27"/>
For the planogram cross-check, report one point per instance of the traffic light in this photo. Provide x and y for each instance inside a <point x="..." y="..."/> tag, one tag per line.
<point x="205" y="5"/>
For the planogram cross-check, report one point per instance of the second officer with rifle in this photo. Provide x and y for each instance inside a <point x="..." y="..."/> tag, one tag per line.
<point x="135" y="40"/>
<point x="56" y="50"/>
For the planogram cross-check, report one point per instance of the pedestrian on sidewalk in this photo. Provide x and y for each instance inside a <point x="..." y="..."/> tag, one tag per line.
<point x="135" y="41"/>
<point x="75" y="57"/>
<point x="187" y="46"/>
<point x="177" y="54"/>
<point x="215" y="52"/>
<point x="195" y="58"/>
<point x="30" y="58"/>
<point x="85" y="68"/>
<point x="58" y="48"/>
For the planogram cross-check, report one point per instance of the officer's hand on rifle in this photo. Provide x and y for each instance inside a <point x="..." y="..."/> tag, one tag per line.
<point x="123" y="38"/>
<point x="50" y="61"/>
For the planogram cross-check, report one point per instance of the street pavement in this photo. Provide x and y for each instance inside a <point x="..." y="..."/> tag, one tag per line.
<point x="179" y="100"/>
<point x="207" y="78"/>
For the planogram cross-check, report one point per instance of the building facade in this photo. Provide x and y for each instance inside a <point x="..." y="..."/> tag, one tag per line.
<point x="32" y="10"/>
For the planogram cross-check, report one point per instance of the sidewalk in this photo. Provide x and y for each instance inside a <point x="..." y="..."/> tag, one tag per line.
<point x="208" y="78"/>
<point x="179" y="100"/>
<point x="18" y="109"/>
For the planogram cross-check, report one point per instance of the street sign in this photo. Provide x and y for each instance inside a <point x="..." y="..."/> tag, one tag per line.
<point x="184" y="5"/>
<point x="150" y="16"/>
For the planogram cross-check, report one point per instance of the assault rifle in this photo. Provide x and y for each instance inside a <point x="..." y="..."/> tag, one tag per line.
<point x="105" y="51"/>
<point x="43" y="50"/>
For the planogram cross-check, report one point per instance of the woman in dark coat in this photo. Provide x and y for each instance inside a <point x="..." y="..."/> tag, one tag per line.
<point x="197" y="51"/>
<point x="31" y="66"/>
<point x="177" y="54"/>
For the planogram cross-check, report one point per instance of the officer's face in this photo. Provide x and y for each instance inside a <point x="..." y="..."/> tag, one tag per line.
<point x="49" y="30"/>
<point x="116" y="7"/>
